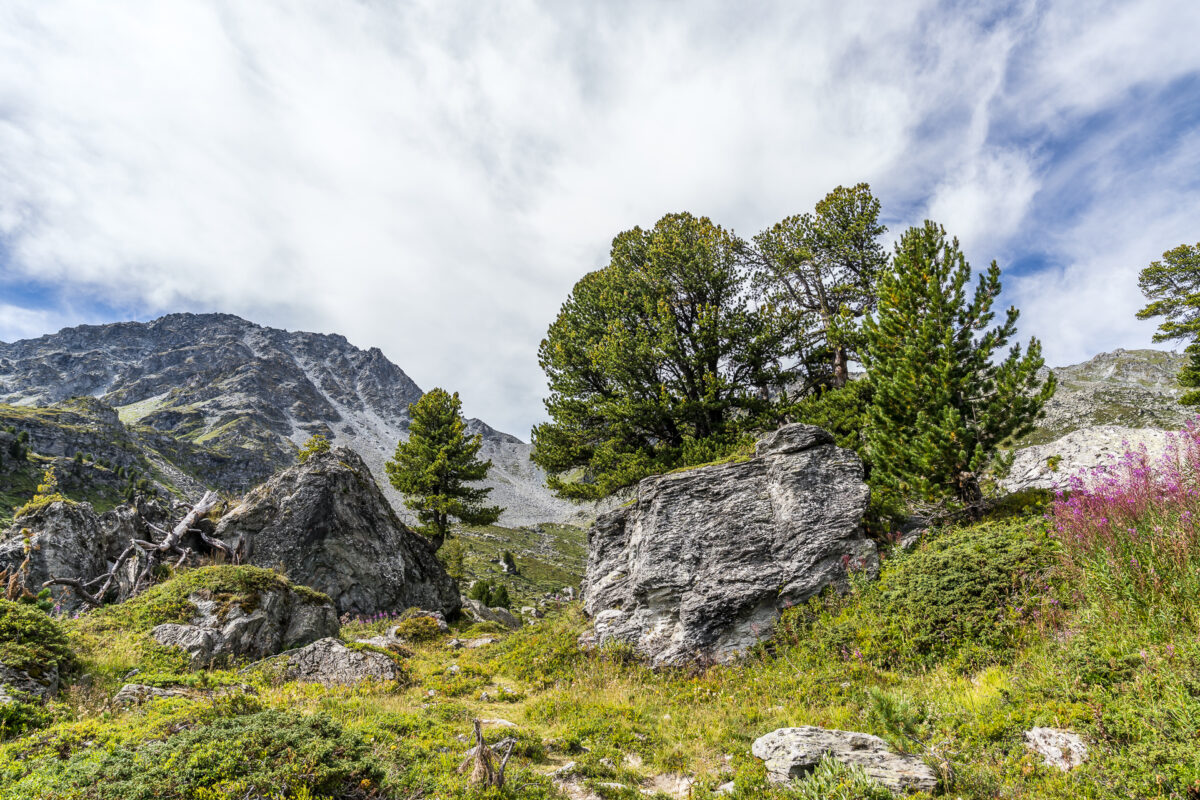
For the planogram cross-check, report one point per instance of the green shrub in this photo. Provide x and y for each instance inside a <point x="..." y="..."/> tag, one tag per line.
<point x="492" y="594"/>
<point x="961" y="595"/>
<point x="256" y="754"/>
<point x="956" y="590"/>
<point x="316" y="444"/>
<point x="47" y="493"/>
<point x="418" y="629"/>
<point x="31" y="641"/>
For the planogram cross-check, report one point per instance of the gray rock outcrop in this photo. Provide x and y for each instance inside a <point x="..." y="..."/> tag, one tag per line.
<point x="1051" y="466"/>
<point x="280" y="620"/>
<point x="326" y="524"/>
<point x="1058" y="748"/>
<point x="16" y="684"/>
<point x="68" y="540"/>
<point x="134" y="694"/>
<point x="704" y="561"/>
<point x="792" y="753"/>
<point x="330" y="662"/>
<point x="482" y="613"/>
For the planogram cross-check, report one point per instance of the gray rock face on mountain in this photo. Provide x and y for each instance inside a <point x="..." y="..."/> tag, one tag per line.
<point x="704" y="561"/>
<point x="1126" y="388"/>
<point x="791" y="753"/>
<point x="327" y="525"/>
<point x="280" y="620"/>
<point x="1081" y="452"/>
<point x="215" y="400"/>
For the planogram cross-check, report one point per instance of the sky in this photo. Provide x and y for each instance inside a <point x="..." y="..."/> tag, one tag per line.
<point x="432" y="178"/>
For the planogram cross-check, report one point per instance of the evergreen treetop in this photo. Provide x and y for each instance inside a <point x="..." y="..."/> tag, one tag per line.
<point x="1173" y="288"/>
<point x="941" y="403"/>
<point x="434" y="468"/>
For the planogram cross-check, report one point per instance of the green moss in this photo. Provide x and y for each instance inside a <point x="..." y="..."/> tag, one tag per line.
<point x="168" y="601"/>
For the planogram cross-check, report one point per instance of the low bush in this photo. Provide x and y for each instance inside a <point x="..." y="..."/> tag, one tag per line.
<point x="31" y="641"/>
<point x="418" y="629"/>
<point x="262" y="753"/>
<point x="961" y="595"/>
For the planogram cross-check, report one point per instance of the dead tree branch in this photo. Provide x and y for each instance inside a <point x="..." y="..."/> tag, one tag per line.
<point x="489" y="763"/>
<point x="153" y="552"/>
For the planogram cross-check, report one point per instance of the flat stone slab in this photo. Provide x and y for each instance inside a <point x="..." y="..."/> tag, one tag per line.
<point x="792" y="753"/>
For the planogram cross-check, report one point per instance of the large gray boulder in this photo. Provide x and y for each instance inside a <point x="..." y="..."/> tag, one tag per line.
<point x="66" y="539"/>
<point x="482" y="613"/>
<point x="792" y="753"/>
<point x="1085" y="453"/>
<point x="280" y="620"/>
<point x="700" y="566"/>
<point x="326" y="525"/>
<point x="332" y="663"/>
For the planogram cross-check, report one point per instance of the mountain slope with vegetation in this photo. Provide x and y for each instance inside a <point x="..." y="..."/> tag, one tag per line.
<point x="212" y="400"/>
<point x="977" y="635"/>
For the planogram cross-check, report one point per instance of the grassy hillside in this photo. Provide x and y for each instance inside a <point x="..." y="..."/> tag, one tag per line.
<point x="965" y="642"/>
<point x="1082" y="614"/>
<point x="549" y="558"/>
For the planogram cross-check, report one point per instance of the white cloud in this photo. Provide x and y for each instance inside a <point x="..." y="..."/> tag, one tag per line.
<point x="432" y="177"/>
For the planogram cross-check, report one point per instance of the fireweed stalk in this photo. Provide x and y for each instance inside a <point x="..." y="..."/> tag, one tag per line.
<point x="1130" y="531"/>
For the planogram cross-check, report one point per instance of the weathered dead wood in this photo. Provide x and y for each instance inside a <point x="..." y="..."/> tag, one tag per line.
<point x="489" y="764"/>
<point x="153" y="552"/>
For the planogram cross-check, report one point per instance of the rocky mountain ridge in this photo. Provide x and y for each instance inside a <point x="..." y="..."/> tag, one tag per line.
<point x="216" y="400"/>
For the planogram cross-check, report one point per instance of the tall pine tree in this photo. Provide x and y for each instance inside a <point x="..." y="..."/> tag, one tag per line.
<point x="1173" y="288"/>
<point x="432" y="469"/>
<point x="818" y="272"/>
<point x="941" y="404"/>
<point x="657" y="360"/>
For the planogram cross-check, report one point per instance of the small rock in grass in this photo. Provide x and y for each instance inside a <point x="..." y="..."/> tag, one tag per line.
<point x="791" y="753"/>
<point x="1058" y="748"/>
<point x="497" y="723"/>
<point x="482" y="641"/>
<point x="132" y="694"/>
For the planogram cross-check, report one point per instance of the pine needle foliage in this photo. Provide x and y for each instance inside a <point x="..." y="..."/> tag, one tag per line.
<point x="817" y="271"/>
<point x="942" y="403"/>
<point x="658" y="360"/>
<point x="434" y="468"/>
<point x="1173" y="288"/>
<point x="315" y="445"/>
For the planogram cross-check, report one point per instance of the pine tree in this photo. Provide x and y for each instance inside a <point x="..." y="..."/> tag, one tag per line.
<point x="941" y="406"/>
<point x="818" y="271"/>
<point x="432" y="469"/>
<point x="315" y="445"/>
<point x="1173" y="288"/>
<point x="657" y="360"/>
